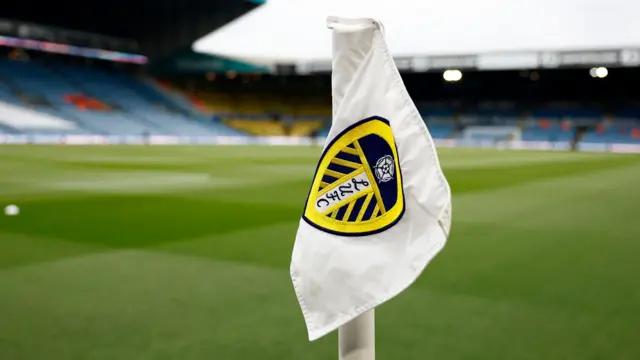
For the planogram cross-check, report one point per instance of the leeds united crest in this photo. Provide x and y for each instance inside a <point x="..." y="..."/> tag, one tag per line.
<point x="357" y="188"/>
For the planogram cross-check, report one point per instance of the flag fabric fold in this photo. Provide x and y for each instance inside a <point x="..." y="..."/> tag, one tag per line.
<point x="379" y="207"/>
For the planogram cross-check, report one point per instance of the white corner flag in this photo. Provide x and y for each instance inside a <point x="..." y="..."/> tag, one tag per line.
<point x="379" y="207"/>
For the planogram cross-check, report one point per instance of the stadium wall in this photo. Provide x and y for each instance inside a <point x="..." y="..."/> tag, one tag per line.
<point x="25" y="139"/>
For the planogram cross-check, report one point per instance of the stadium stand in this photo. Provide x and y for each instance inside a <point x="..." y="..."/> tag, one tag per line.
<point x="95" y="101"/>
<point x="440" y="129"/>
<point x="262" y="126"/>
<point x="547" y="130"/>
<point x="622" y="132"/>
<point x="56" y="97"/>
<point x="23" y="119"/>
<point x="265" y="115"/>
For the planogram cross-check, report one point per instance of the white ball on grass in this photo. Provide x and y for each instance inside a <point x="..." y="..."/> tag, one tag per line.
<point x="11" y="210"/>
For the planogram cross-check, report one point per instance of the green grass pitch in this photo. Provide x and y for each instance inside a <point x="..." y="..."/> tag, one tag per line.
<point x="183" y="253"/>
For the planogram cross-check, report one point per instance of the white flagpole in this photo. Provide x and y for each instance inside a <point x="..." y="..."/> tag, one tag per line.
<point x="356" y="339"/>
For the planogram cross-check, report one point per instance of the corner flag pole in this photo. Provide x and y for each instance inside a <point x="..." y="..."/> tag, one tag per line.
<point x="356" y="339"/>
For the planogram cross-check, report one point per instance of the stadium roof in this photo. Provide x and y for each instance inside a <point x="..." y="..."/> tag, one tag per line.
<point x="121" y="18"/>
<point x="294" y="30"/>
<point x="159" y="26"/>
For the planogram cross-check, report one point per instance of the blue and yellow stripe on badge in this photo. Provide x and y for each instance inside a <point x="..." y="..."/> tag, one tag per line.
<point x="344" y="163"/>
<point x="357" y="189"/>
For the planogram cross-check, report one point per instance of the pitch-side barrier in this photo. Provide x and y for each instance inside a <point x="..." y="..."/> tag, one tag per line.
<point x="49" y="139"/>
